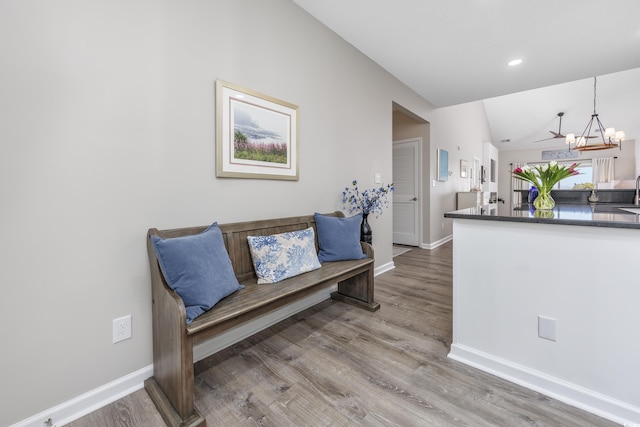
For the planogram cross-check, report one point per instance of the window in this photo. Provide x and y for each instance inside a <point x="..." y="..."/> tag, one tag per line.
<point x="586" y="176"/>
<point x="585" y="171"/>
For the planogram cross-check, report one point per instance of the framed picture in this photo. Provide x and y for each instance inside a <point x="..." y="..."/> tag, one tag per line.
<point x="443" y="164"/>
<point x="464" y="169"/>
<point x="476" y="184"/>
<point x="256" y="135"/>
<point x="493" y="170"/>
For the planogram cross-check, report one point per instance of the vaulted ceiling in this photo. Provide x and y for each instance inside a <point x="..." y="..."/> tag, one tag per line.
<point x="452" y="52"/>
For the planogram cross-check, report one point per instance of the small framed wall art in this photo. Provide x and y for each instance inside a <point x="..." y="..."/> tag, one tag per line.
<point x="442" y="158"/>
<point x="256" y="135"/>
<point x="493" y="170"/>
<point x="464" y="169"/>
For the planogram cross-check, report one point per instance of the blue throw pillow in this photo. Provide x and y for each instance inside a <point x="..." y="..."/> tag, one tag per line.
<point x="280" y="256"/>
<point x="198" y="268"/>
<point x="339" y="238"/>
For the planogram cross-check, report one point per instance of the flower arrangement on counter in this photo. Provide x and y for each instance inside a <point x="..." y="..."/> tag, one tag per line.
<point x="371" y="201"/>
<point x="547" y="175"/>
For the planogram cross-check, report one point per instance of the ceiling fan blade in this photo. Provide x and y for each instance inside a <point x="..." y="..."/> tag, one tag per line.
<point x="546" y="139"/>
<point x="558" y="136"/>
<point x="555" y="136"/>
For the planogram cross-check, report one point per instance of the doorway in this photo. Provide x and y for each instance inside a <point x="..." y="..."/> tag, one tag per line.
<point x="411" y="225"/>
<point x="407" y="191"/>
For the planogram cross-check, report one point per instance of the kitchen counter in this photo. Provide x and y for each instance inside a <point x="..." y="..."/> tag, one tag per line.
<point x="595" y="215"/>
<point x="549" y="300"/>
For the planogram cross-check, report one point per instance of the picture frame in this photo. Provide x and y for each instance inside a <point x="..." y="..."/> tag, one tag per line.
<point x="464" y="169"/>
<point x="256" y="135"/>
<point x="442" y="157"/>
<point x="476" y="183"/>
<point x="493" y="170"/>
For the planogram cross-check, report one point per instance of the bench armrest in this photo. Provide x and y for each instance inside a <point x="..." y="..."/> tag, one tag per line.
<point x="161" y="294"/>
<point x="367" y="249"/>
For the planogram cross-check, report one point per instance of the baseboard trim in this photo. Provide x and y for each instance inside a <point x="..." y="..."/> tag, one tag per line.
<point x="569" y="393"/>
<point x="384" y="268"/>
<point x="86" y="403"/>
<point x="437" y="243"/>
<point x="93" y="400"/>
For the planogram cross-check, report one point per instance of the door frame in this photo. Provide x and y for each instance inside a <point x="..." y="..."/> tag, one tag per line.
<point x="418" y="184"/>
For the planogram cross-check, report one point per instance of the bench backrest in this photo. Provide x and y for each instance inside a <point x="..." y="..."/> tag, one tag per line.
<point x="235" y="237"/>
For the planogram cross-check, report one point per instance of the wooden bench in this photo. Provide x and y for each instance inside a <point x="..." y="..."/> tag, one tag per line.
<point x="172" y="386"/>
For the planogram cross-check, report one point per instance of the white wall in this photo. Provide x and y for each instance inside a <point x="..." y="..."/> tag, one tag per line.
<point x="490" y="152"/>
<point x="637" y="155"/>
<point x="499" y="294"/>
<point x="108" y="129"/>
<point x="461" y="130"/>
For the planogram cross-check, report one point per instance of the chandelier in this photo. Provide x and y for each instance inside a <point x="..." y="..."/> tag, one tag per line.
<point x="610" y="137"/>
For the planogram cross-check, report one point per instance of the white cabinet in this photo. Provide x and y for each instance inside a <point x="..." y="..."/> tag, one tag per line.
<point x="469" y="199"/>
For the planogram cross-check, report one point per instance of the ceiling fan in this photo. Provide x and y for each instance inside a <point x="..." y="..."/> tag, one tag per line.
<point x="556" y="135"/>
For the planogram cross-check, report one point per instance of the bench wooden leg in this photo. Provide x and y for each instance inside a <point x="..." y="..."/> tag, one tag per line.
<point x="166" y="409"/>
<point x="172" y="386"/>
<point x="358" y="291"/>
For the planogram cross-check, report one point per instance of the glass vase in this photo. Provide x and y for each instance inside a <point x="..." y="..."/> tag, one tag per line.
<point x="533" y="193"/>
<point x="365" y="229"/>
<point x="544" y="201"/>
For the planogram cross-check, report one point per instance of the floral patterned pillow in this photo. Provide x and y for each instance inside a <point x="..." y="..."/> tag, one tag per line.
<point x="280" y="256"/>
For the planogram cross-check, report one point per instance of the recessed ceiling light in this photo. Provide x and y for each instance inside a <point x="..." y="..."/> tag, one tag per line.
<point x="515" y="62"/>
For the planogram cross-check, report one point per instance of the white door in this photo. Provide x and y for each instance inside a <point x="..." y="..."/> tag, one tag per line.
<point x="406" y="196"/>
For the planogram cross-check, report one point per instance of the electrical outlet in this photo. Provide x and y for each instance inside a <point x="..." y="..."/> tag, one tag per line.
<point x="121" y="329"/>
<point x="547" y="328"/>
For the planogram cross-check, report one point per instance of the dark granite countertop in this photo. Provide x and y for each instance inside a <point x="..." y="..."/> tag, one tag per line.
<point x="581" y="197"/>
<point x="593" y="215"/>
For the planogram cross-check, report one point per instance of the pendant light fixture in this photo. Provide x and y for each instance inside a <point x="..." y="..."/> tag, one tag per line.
<point x="610" y="137"/>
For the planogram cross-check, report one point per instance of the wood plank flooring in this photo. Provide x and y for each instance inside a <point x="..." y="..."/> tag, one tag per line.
<point x="336" y="365"/>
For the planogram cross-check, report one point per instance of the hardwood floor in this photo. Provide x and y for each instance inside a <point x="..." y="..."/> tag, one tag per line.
<point x="336" y="365"/>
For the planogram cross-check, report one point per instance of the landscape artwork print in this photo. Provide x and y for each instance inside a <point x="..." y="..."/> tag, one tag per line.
<point x="256" y="135"/>
<point x="259" y="136"/>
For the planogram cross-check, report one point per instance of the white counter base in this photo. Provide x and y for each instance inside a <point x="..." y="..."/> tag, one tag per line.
<point x="590" y="285"/>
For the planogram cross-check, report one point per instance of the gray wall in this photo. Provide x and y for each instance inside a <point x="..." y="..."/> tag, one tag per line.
<point x="108" y="129"/>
